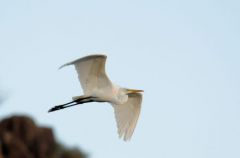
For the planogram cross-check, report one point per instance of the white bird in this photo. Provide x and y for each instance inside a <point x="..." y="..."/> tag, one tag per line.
<point x="98" y="88"/>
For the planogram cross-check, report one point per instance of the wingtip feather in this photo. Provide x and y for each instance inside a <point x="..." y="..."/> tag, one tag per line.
<point x="64" y="65"/>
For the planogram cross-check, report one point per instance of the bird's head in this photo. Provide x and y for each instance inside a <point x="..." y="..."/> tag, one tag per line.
<point x="122" y="94"/>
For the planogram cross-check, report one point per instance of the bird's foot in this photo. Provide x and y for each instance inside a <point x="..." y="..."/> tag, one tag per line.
<point x="55" y="108"/>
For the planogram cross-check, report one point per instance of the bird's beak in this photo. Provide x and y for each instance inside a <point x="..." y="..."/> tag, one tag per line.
<point x="132" y="91"/>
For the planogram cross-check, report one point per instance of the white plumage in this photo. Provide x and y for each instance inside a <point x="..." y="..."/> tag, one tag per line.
<point x="98" y="88"/>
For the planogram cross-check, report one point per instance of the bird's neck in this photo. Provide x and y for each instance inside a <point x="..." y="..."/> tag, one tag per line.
<point x="120" y="97"/>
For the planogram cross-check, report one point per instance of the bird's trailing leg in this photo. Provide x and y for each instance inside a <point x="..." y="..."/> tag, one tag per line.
<point x="80" y="100"/>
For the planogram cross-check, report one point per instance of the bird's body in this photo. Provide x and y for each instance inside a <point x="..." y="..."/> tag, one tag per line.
<point x="113" y="94"/>
<point x="98" y="88"/>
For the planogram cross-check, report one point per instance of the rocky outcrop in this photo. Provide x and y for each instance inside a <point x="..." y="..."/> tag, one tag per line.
<point x="20" y="137"/>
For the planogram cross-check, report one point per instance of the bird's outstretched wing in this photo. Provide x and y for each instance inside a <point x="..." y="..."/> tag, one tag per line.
<point x="91" y="72"/>
<point x="127" y="115"/>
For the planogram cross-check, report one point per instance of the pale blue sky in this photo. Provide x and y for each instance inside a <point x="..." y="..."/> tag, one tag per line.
<point x="184" y="54"/>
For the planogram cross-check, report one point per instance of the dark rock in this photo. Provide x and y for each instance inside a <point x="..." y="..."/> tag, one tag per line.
<point x="21" y="138"/>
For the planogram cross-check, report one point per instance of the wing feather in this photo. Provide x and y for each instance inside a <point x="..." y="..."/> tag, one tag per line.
<point x="91" y="72"/>
<point x="127" y="115"/>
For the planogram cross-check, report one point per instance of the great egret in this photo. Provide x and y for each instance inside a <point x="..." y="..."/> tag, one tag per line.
<point x="98" y="88"/>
